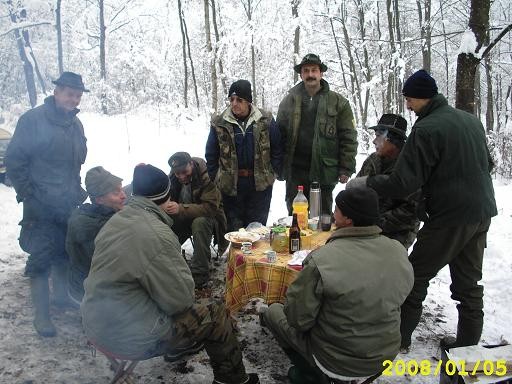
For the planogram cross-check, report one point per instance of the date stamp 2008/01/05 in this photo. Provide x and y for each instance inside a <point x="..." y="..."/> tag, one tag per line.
<point x="450" y="367"/>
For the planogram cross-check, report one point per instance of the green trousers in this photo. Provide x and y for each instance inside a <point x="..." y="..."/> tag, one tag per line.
<point x="461" y="248"/>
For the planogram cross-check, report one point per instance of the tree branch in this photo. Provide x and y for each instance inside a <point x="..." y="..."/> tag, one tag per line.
<point x="505" y="30"/>
<point x="23" y="26"/>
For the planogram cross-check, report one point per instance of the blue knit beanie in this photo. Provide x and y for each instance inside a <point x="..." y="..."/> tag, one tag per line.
<point x="420" y="85"/>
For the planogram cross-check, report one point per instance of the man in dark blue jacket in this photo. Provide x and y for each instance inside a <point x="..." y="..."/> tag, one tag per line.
<point x="243" y="155"/>
<point x="43" y="162"/>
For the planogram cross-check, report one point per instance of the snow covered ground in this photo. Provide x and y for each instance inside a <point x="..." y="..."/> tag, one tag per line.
<point x="151" y="135"/>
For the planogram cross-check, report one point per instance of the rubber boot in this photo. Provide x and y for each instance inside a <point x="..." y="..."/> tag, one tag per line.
<point x="60" y="287"/>
<point x="40" y="293"/>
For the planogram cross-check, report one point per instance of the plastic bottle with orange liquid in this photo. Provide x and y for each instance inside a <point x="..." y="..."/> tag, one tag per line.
<point x="300" y="207"/>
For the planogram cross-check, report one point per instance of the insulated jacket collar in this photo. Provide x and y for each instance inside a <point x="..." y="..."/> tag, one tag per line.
<point x="436" y="102"/>
<point x="149" y="206"/>
<point x="254" y="116"/>
<point x="56" y="115"/>
<point x="372" y="231"/>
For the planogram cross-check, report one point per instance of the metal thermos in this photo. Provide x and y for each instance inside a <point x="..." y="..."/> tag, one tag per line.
<point x="315" y="201"/>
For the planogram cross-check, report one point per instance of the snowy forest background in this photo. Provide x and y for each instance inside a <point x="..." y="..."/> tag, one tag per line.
<point x="182" y="55"/>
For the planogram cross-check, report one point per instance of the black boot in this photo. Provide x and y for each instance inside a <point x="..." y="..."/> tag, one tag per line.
<point x="252" y="378"/>
<point x="40" y="292"/>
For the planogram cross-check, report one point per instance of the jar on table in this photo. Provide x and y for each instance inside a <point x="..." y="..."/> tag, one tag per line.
<point x="279" y="239"/>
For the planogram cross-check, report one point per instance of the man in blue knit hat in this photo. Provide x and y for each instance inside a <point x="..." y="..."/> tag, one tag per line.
<point x="446" y="155"/>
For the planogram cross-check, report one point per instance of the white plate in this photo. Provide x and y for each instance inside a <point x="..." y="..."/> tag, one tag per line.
<point x="239" y="237"/>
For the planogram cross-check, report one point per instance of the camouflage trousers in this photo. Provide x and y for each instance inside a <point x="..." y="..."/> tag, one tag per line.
<point x="210" y="324"/>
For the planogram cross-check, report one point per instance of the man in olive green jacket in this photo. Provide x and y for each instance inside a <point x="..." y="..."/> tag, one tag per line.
<point x="318" y="134"/>
<point x="196" y="209"/>
<point x="446" y="155"/>
<point x="341" y="318"/>
<point x="139" y="295"/>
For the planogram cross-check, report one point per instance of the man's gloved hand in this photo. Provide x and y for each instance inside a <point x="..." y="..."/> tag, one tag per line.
<point x="358" y="182"/>
<point x="343" y="178"/>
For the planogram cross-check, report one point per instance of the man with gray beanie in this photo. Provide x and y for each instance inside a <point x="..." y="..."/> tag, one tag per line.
<point x="139" y="297"/>
<point x="398" y="218"/>
<point x="446" y="155"/>
<point x="107" y="197"/>
<point x="341" y="318"/>
<point x="243" y="156"/>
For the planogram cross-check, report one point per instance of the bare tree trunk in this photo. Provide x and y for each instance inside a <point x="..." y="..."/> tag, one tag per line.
<point x="28" y="46"/>
<point x="467" y="62"/>
<point x="213" y="67"/>
<point x="60" y="55"/>
<point x="217" y="39"/>
<point x="489" y="113"/>
<point x="103" y="63"/>
<point x="445" y="58"/>
<point x="381" y="55"/>
<point x="28" y="69"/>
<point x="337" y="45"/>
<point x="390" y="90"/>
<point x="425" y="32"/>
<point x="191" y="62"/>
<point x="397" y="80"/>
<point x="365" y="66"/>
<point x="184" y="51"/>
<point x="248" y="7"/>
<point x="296" y="38"/>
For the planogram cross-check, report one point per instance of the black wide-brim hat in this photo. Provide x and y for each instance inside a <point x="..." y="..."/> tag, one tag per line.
<point x="71" y="80"/>
<point x="310" y="58"/>
<point x="392" y="123"/>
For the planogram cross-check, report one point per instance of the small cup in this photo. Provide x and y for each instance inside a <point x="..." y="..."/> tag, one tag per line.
<point x="246" y="247"/>
<point x="325" y="220"/>
<point x="271" y="256"/>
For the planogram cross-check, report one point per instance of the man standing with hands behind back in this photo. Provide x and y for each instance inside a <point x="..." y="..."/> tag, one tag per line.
<point x="317" y="129"/>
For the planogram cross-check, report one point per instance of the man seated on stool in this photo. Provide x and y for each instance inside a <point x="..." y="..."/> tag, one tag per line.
<point x="107" y="197"/>
<point x="139" y="295"/>
<point x="341" y="318"/>
<point x="196" y="209"/>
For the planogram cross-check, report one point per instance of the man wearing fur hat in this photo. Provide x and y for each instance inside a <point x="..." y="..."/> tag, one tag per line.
<point x="317" y="129"/>
<point x="243" y="155"/>
<point x="43" y="162"/>
<point x="341" y="318"/>
<point x="446" y="155"/>
<point x="139" y="295"/>
<point x="398" y="218"/>
<point x="196" y="208"/>
<point x="107" y="197"/>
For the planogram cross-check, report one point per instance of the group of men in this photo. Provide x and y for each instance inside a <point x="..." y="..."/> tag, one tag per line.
<point x="358" y="298"/>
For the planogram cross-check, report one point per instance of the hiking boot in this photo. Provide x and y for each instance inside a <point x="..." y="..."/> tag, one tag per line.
<point x="177" y="354"/>
<point x="449" y="342"/>
<point x="40" y="293"/>
<point x="252" y="378"/>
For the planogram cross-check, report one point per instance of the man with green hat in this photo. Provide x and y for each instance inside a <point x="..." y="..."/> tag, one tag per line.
<point x="317" y="129"/>
<point x="107" y="197"/>
<point x="398" y="219"/>
<point x="196" y="209"/>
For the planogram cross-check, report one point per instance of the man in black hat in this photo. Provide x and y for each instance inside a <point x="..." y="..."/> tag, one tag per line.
<point x="341" y="318"/>
<point x="243" y="155"/>
<point x="446" y="155"/>
<point x="43" y="162"/>
<point x="398" y="218"/>
<point x="196" y="209"/>
<point x="139" y="296"/>
<point x="107" y="197"/>
<point x="317" y="129"/>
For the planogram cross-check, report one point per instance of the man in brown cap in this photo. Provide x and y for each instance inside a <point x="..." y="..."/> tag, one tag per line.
<point x="43" y="162"/>
<point x="107" y="197"/>
<point x="317" y="129"/>
<point x="196" y="209"/>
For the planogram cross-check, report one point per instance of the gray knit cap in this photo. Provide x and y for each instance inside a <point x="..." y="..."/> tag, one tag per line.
<point x="99" y="182"/>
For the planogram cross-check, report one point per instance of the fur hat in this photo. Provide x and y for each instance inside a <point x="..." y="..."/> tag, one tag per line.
<point x="361" y="204"/>
<point x="99" y="182"/>
<point x="420" y="85"/>
<point x="152" y="183"/>
<point x="310" y="58"/>
<point x="242" y="89"/>
<point x="71" y="80"/>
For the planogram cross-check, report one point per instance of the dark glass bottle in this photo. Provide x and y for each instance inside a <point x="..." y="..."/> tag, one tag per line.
<point x="294" y="236"/>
